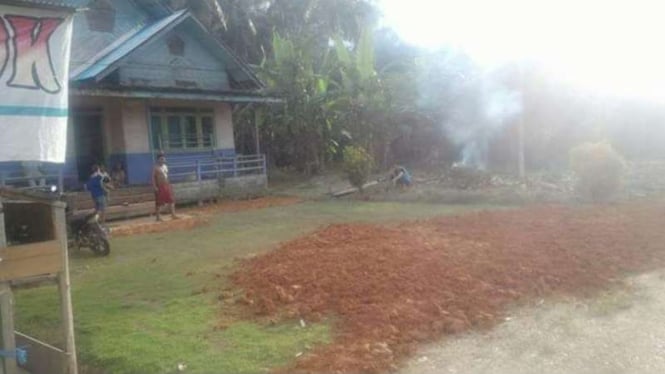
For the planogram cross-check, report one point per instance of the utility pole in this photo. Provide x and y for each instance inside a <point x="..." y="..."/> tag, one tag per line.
<point x="520" y="127"/>
<point x="520" y="147"/>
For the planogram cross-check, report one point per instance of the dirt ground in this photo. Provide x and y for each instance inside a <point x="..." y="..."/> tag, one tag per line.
<point x="230" y="206"/>
<point x="618" y="332"/>
<point x="389" y="289"/>
<point x="195" y="216"/>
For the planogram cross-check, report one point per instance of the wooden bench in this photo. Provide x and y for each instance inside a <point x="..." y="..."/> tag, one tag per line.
<point x="126" y="202"/>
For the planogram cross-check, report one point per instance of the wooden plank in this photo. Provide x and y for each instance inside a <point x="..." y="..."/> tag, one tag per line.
<point x="349" y="191"/>
<point x="34" y="196"/>
<point x="64" y="287"/>
<point x="80" y="201"/>
<point x="7" y="327"/>
<point x="34" y="282"/>
<point x="42" y="357"/>
<point x="3" y="238"/>
<point x="122" y="211"/>
<point x="29" y="260"/>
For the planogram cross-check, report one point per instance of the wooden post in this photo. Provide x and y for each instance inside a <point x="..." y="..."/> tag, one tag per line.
<point x="64" y="288"/>
<point x="256" y="137"/>
<point x="6" y="311"/>
<point x="7" y="331"/>
<point x="198" y="170"/>
<point x="61" y="180"/>
<point x="235" y="166"/>
<point x="263" y="163"/>
<point x="265" y="169"/>
<point x="3" y="239"/>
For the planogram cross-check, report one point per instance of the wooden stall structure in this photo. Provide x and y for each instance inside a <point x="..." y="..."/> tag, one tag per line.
<point x="33" y="251"/>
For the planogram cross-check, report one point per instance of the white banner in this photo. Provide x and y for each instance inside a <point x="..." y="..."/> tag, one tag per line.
<point x="34" y="75"/>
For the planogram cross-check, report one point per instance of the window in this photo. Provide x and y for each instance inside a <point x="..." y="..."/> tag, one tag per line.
<point x="181" y="128"/>
<point x="191" y="132"/>
<point x="100" y="16"/>
<point x="176" y="45"/>
<point x="207" y="131"/>
<point x="174" y="129"/>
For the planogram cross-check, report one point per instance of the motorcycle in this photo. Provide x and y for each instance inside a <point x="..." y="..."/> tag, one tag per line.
<point x="88" y="232"/>
<point x="84" y="231"/>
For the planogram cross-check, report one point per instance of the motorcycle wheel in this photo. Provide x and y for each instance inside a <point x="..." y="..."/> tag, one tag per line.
<point x="101" y="246"/>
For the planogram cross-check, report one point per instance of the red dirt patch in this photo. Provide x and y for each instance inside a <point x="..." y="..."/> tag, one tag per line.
<point x="149" y="226"/>
<point x="196" y="216"/>
<point x="392" y="287"/>
<point x="229" y="206"/>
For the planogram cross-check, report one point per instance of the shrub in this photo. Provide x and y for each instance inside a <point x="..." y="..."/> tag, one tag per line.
<point x="358" y="165"/>
<point x="598" y="169"/>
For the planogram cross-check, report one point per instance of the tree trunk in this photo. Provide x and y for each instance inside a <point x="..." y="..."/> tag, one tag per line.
<point x="386" y="154"/>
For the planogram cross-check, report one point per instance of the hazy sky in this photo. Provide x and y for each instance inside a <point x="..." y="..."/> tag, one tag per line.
<point x="609" y="46"/>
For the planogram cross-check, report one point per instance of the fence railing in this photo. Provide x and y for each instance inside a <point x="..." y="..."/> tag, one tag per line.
<point x="184" y="168"/>
<point x="214" y="168"/>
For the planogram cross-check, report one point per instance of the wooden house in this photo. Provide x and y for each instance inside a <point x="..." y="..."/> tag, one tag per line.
<point x="145" y="78"/>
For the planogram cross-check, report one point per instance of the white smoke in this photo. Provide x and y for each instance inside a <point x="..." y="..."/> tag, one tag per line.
<point x="481" y="112"/>
<point x="472" y="103"/>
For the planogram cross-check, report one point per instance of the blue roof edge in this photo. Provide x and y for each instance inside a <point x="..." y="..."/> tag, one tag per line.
<point x="107" y="61"/>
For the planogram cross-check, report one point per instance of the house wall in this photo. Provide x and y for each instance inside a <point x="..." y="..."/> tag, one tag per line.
<point x="224" y="136"/>
<point x="126" y="134"/>
<point x="86" y="43"/>
<point x="137" y="153"/>
<point x="155" y="66"/>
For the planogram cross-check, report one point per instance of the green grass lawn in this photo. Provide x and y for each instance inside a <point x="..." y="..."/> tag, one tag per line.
<point x="153" y="302"/>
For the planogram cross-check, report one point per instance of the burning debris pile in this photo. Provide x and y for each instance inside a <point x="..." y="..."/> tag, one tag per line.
<point x="464" y="178"/>
<point x="467" y="178"/>
<point x="641" y="179"/>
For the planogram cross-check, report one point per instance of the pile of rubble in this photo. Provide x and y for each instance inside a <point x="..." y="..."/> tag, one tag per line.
<point x="645" y="178"/>
<point x="464" y="178"/>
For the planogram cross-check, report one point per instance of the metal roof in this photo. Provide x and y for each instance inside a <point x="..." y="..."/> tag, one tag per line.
<point x="156" y="8"/>
<point x="152" y="93"/>
<point x="116" y="51"/>
<point x="73" y="4"/>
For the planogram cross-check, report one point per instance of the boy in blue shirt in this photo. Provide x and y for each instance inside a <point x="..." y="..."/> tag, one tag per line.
<point x="97" y="187"/>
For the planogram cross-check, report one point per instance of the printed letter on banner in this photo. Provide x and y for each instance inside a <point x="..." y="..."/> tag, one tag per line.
<point x="34" y="71"/>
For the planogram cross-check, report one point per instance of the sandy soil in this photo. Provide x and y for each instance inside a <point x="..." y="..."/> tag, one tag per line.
<point x="622" y="331"/>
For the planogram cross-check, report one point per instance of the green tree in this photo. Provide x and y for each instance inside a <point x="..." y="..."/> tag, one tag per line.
<point x="358" y="165"/>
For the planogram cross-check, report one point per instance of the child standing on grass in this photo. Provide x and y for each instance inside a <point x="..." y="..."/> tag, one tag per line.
<point x="162" y="187"/>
